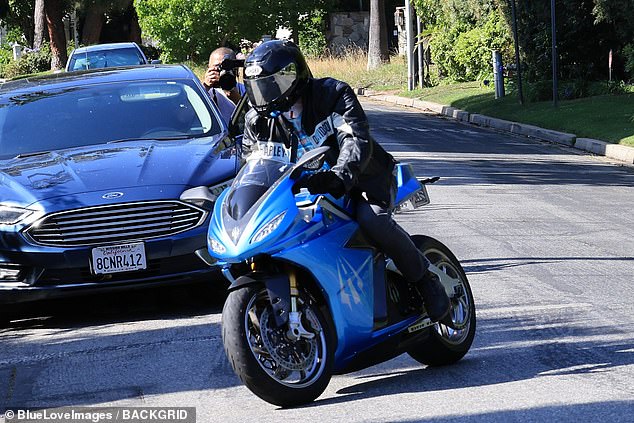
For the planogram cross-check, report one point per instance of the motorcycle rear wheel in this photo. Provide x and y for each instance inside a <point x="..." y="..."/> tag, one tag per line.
<point x="445" y="345"/>
<point x="280" y="371"/>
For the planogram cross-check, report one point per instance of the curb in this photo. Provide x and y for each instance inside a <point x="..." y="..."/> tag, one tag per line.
<point x="613" y="151"/>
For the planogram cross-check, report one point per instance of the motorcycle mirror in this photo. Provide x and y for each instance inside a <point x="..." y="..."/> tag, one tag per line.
<point x="316" y="163"/>
<point x="312" y="160"/>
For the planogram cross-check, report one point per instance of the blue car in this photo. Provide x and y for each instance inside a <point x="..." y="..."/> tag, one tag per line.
<point x="107" y="55"/>
<point x="97" y="170"/>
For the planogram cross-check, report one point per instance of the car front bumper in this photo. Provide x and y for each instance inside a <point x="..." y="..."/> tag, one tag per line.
<point x="54" y="273"/>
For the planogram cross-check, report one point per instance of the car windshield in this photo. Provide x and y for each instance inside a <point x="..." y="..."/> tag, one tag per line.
<point x="105" y="58"/>
<point x="100" y="113"/>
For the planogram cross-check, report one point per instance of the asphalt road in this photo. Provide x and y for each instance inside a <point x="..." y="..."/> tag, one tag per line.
<point x="546" y="236"/>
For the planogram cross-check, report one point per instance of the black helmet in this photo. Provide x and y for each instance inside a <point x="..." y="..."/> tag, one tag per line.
<point x="275" y="74"/>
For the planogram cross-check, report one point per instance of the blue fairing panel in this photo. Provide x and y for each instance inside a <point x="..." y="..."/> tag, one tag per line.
<point x="348" y="285"/>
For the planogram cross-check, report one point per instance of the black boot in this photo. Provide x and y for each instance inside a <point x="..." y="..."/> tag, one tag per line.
<point x="435" y="298"/>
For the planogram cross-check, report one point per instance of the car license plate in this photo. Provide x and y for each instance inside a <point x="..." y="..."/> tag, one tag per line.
<point x="118" y="258"/>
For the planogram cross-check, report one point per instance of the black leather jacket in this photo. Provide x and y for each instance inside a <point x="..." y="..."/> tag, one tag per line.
<point x="332" y="116"/>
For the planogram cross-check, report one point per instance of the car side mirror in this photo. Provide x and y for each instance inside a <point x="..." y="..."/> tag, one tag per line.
<point x="156" y="62"/>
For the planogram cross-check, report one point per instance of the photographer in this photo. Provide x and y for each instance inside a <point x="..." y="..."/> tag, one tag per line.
<point x="224" y="78"/>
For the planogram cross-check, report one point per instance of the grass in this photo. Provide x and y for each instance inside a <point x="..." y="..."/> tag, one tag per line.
<point x="199" y="69"/>
<point x="353" y="69"/>
<point x="608" y="117"/>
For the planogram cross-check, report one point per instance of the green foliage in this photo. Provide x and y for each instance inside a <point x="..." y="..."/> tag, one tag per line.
<point x="586" y="31"/>
<point x="473" y="48"/>
<point x="15" y="35"/>
<point x="628" y="52"/>
<point x="463" y="35"/>
<point x="618" y="13"/>
<point x="312" y="40"/>
<point x="191" y="29"/>
<point x="6" y="55"/>
<point x="182" y="27"/>
<point x="19" y="21"/>
<point x="28" y="63"/>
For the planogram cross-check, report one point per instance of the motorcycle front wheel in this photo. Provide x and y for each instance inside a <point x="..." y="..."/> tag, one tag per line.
<point x="276" y="368"/>
<point x="444" y="344"/>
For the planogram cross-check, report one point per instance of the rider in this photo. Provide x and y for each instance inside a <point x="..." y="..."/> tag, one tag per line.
<point x="287" y="101"/>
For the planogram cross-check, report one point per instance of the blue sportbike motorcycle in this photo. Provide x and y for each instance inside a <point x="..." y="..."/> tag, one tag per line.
<point x="310" y="296"/>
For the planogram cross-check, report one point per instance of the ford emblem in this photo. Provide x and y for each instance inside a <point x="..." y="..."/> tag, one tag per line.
<point x="112" y="195"/>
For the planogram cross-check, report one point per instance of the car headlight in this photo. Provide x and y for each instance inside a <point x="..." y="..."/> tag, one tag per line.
<point x="11" y="215"/>
<point x="216" y="246"/>
<point x="269" y="227"/>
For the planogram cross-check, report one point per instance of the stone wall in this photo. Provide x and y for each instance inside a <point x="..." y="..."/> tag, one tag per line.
<point x="348" y="30"/>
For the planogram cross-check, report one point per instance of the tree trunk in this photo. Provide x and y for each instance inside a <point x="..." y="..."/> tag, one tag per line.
<point x="93" y="23"/>
<point x="377" y="40"/>
<point x="40" y="24"/>
<point x="54" y="15"/>
<point x="135" y="28"/>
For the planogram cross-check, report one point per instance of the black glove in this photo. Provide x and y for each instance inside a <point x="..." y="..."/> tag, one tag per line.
<point x="324" y="183"/>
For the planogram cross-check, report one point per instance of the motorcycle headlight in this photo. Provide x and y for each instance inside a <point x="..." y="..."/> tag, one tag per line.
<point x="268" y="228"/>
<point x="216" y="246"/>
<point x="11" y="215"/>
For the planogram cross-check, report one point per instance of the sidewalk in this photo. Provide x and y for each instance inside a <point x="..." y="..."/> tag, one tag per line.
<point x="613" y="151"/>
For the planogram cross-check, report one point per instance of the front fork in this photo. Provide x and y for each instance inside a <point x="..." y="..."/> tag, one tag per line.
<point x="295" y="328"/>
<point x="284" y="296"/>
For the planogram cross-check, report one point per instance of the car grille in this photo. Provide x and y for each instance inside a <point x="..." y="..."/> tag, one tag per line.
<point x="116" y="223"/>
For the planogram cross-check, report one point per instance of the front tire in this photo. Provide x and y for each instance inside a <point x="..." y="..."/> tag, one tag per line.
<point x="278" y="370"/>
<point x="445" y="345"/>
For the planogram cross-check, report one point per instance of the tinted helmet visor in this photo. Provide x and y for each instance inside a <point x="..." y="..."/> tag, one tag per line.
<point x="267" y="90"/>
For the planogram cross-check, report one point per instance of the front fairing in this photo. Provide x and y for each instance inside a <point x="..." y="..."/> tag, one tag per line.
<point x="237" y="237"/>
<point x="259" y="212"/>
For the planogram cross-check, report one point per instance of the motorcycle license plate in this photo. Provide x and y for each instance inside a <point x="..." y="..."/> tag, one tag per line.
<point x="420" y="198"/>
<point x="118" y="258"/>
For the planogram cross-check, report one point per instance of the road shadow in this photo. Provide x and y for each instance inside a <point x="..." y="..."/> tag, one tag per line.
<point x="487" y="156"/>
<point x="115" y="346"/>
<point x="613" y="411"/>
<point x="483" y="265"/>
<point x="502" y="171"/>
<point x="505" y="350"/>
<point x="164" y="302"/>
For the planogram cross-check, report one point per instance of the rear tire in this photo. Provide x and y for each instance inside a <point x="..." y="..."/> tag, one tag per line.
<point x="5" y="319"/>
<point x="445" y="345"/>
<point x="280" y="371"/>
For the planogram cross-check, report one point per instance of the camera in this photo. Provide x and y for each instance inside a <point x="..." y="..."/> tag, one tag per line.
<point x="227" y="79"/>
<point x="231" y="64"/>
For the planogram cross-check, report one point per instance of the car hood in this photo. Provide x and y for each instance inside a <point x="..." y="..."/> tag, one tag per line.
<point x="24" y="181"/>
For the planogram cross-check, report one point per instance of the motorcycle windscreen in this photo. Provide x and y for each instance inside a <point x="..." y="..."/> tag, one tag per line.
<point x="254" y="179"/>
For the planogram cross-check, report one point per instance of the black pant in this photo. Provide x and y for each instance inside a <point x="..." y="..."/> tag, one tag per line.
<point x="377" y="224"/>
